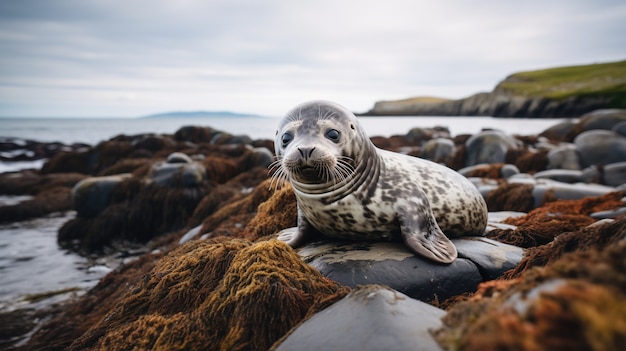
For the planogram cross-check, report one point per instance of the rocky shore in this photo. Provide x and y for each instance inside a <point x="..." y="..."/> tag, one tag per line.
<point x="556" y="92"/>
<point x="549" y="272"/>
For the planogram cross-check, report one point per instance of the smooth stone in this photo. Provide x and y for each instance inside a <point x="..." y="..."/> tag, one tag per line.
<point x="261" y="157"/>
<point x="178" y="157"/>
<point x="190" y="234"/>
<point x="609" y="213"/>
<point x="600" y="147"/>
<point x="590" y="174"/>
<point x="604" y="119"/>
<point x="438" y="150"/>
<point x="620" y="128"/>
<point x="392" y="264"/>
<point x="564" y="156"/>
<point x="561" y="175"/>
<point x="169" y="174"/>
<point x="489" y="147"/>
<point x="509" y="170"/>
<point x="522" y="178"/>
<point x="615" y="174"/>
<point x="565" y="191"/>
<point x="91" y="195"/>
<point x="493" y="258"/>
<point x="601" y="222"/>
<point x="559" y="131"/>
<point x="371" y="317"/>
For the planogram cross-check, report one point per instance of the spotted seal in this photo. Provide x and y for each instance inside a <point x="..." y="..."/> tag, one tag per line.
<point x="347" y="188"/>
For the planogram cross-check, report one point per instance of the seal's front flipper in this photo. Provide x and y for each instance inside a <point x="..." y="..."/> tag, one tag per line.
<point x="299" y="235"/>
<point x="421" y="233"/>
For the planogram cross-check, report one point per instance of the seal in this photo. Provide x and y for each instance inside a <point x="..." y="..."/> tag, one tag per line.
<point x="346" y="188"/>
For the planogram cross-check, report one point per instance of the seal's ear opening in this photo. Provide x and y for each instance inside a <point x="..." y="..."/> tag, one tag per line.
<point x="352" y="126"/>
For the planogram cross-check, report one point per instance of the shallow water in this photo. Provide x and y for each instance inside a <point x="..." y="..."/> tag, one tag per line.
<point x="34" y="269"/>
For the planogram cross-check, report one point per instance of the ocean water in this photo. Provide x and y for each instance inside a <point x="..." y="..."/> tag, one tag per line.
<point x="32" y="264"/>
<point x="94" y="130"/>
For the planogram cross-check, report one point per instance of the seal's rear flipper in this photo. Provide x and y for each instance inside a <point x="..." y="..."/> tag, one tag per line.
<point x="421" y="233"/>
<point x="436" y="246"/>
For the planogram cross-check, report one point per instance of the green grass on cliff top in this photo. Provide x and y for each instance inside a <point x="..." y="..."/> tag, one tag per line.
<point x="562" y="82"/>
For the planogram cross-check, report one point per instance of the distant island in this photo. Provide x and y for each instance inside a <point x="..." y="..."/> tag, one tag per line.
<point x="555" y="92"/>
<point x="200" y="114"/>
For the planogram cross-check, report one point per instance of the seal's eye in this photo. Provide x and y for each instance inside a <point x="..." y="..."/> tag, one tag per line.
<point x="333" y="135"/>
<point x="286" y="139"/>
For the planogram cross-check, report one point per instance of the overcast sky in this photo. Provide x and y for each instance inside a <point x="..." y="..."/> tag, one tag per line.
<point x="127" y="58"/>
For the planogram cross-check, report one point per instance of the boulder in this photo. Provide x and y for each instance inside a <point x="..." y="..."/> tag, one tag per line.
<point x="392" y="264"/>
<point x="600" y="147"/>
<point x="489" y="147"/>
<point x="91" y="195"/>
<point x="372" y="317"/>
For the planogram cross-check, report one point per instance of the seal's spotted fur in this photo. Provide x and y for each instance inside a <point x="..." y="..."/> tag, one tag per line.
<point x="348" y="189"/>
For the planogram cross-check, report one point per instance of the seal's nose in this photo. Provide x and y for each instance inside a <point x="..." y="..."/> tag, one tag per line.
<point x="306" y="152"/>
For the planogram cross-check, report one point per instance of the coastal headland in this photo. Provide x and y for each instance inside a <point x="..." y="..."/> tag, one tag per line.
<point x="554" y="92"/>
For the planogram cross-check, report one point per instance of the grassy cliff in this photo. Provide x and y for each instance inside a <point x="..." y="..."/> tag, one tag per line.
<point x="603" y="79"/>
<point x="555" y="92"/>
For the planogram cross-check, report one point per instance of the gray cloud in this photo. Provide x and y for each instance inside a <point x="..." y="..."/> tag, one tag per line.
<point x="73" y="57"/>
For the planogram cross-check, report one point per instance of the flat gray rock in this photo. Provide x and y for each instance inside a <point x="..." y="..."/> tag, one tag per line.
<point x="393" y="265"/>
<point x="371" y="317"/>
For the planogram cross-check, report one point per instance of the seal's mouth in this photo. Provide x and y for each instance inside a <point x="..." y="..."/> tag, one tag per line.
<point x="308" y="173"/>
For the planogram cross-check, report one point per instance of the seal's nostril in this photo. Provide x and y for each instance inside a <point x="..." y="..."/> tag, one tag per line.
<point x="306" y="152"/>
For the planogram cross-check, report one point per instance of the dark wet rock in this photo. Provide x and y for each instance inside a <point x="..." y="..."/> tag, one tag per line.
<point x="600" y="147"/>
<point x="620" y="128"/>
<point x="615" y="174"/>
<point x="261" y="157"/>
<point x="18" y="149"/>
<point x="591" y="174"/>
<point x="152" y="143"/>
<point x="438" y="150"/>
<point x="195" y="134"/>
<point x="417" y="136"/>
<point x="223" y="138"/>
<point x="137" y="212"/>
<point x="509" y="170"/>
<point x="178" y="157"/>
<point x="392" y="264"/>
<point x="371" y="317"/>
<point x="604" y="119"/>
<point x="561" y="175"/>
<point x="492" y="258"/>
<point x="179" y="170"/>
<point x="526" y="193"/>
<point x="560" y="131"/>
<point x="564" y="156"/>
<point x="609" y="213"/>
<point x="489" y="147"/>
<point x="91" y="195"/>
<point x="50" y="193"/>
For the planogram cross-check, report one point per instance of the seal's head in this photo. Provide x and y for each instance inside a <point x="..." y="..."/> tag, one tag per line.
<point x="318" y="142"/>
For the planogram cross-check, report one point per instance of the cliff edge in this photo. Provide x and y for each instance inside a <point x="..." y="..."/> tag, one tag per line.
<point x="555" y="92"/>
